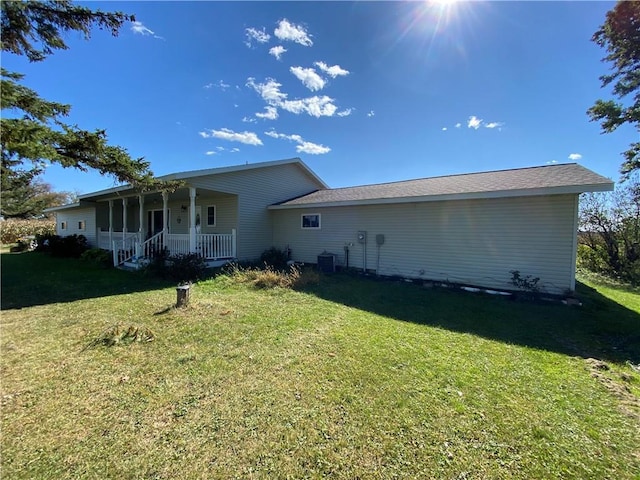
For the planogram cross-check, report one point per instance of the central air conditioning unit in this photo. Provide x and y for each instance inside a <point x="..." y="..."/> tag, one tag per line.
<point x="327" y="262"/>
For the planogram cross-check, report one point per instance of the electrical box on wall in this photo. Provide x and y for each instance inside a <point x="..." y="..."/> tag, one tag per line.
<point x="362" y="237"/>
<point x="380" y="239"/>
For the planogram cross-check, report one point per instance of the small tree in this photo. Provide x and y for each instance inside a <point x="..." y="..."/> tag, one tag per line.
<point x="609" y="237"/>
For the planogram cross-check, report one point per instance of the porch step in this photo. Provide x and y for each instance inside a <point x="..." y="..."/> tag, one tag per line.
<point x="218" y="263"/>
<point x="131" y="266"/>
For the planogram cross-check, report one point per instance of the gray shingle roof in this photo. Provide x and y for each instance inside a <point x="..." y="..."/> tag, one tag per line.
<point x="562" y="178"/>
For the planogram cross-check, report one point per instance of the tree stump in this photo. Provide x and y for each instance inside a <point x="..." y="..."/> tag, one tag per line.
<point x="183" y="292"/>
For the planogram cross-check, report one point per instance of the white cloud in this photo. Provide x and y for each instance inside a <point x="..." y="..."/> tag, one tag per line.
<point x="575" y="156"/>
<point x="249" y="120"/>
<point x="211" y="152"/>
<point x="248" y="138"/>
<point x="269" y="91"/>
<point x="309" y="78"/>
<point x="140" y="29"/>
<point x="314" y="106"/>
<point x="312" y="148"/>
<point x="474" y="122"/>
<point x="219" y="84"/>
<point x="552" y="162"/>
<point x="458" y="125"/>
<point x="345" y="113"/>
<point x="220" y="149"/>
<point x="277" y="51"/>
<point x="235" y="150"/>
<point x="292" y="32"/>
<point x="371" y="114"/>
<point x="270" y="114"/>
<point x="333" y="71"/>
<point x="253" y="34"/>
<point x="444" y="129"/>
<point x="303" y="146"/>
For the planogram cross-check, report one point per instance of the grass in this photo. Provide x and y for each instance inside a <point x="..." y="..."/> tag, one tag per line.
<point x="349" y="378"/>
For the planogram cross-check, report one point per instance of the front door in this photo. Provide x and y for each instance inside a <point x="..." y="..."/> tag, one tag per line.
<point x="155" y="222"/>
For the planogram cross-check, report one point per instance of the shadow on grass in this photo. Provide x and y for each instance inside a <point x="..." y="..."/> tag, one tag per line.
<point x="30" y="279"/>
<point x="601" y="328"/>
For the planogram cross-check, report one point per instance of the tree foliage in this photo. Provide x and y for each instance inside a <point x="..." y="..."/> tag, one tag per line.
<point x="620" y="36"/>
<point x="609" y="237"/>
<point x="33" y="131"/>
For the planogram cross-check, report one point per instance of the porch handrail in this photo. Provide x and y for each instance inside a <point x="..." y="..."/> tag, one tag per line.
<point x="152" y="245"/>
<point x="125" y="249"/>
<point x="104" y="238"/>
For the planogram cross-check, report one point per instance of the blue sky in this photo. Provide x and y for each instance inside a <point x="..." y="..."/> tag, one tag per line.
<point x="363" y="92"/>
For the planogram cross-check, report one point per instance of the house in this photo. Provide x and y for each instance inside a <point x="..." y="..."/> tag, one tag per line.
<point x="220" y="213"/>
<point x="472" y="229"/>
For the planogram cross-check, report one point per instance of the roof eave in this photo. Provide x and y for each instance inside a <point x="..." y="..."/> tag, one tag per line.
<point x="570" y="189"/>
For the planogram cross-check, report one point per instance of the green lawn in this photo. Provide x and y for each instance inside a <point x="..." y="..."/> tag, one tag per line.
<point x="349" y="378"/>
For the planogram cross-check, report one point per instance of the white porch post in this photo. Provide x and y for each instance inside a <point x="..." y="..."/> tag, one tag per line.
<point x="114" y="250"/>
<point x="124" y="218"/>
<point x="141" y="225"/>
<point x="165" y="218"/>
<point x="234" y="251"/>
<point x="192" y="220"/>
<point x="111" y="224"/>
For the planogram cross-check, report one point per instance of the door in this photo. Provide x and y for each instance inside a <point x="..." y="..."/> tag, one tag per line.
<point x="155" y="222"/>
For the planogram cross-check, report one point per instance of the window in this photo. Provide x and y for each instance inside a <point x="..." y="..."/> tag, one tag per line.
<point x="81" y="225"/>
<point x="211" y="216"/>
<point x="311" y="221"/>
<point x="63" y="225"/>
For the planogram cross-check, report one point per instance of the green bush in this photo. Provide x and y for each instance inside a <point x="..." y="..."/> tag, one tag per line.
<point x="12" y="230"/>
<point x="186" y="267"/>
<point x="182" y="268"/>
<point x="71" y="246"/>
<point x="98" y="256"/>
<point x="274" y="258"/>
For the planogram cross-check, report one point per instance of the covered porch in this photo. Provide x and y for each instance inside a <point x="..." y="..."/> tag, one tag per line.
<point x="136" y="228"/>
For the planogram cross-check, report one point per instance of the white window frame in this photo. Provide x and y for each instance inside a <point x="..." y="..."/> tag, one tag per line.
<point x="302" y="225"/>
<point x="82" y="225"/>
<point x="215" y="215"/>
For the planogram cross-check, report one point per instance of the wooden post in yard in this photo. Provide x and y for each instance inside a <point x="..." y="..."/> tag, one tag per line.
<point x="183" y="294"/>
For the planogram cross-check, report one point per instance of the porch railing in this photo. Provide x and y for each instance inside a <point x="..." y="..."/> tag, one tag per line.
<point x="215" y="245"/>
<point x="152" y="246"/>
<point x="124" y="250"/>
<point x="211" y="246"/>
<point x="104" y="239"/>
<point x="177" y="243"/>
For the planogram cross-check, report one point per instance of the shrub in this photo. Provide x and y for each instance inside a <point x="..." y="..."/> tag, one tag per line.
<point x="98" y="256"/>
<point x="71" y="246"/>
<point x="275" y="258"/>
<point x="186" y="267"/>
<point x="12" y="230"/>
<point x="527" y="285"/>
<point x="268" y="277"/>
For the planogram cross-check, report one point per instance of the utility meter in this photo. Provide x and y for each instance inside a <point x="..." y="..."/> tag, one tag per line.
<point x="362" y="237"/>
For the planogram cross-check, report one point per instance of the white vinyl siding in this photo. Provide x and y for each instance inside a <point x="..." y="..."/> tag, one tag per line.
<point x="475" y="242"/>
<point x="73" y="218"/>
<point x="256" y="189"/>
